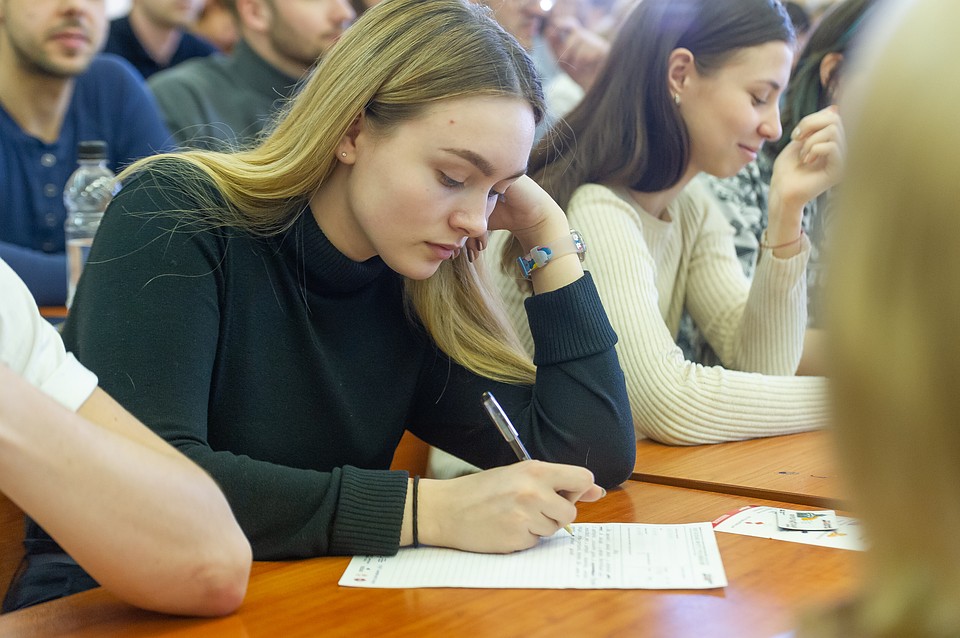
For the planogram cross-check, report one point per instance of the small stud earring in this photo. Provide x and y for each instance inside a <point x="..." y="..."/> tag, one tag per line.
<point x="343" y="153"/>
<point x="676" y="98"/>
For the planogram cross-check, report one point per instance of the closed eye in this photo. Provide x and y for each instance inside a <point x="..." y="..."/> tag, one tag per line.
<point x="448" y="181"/>
<point x="757" y="101"/>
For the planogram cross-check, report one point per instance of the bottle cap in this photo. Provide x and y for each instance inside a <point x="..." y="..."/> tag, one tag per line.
<point x="92" y="149"/>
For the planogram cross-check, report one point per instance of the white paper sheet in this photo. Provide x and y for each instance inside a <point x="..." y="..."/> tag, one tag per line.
<point x="761" y="520"/>
<point x="598" y="556"/>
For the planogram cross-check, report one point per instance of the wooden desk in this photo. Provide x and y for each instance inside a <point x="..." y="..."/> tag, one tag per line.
<point x="798" y="468"/>
<point x="53" y="312"/>
<point x="768" y="582"/>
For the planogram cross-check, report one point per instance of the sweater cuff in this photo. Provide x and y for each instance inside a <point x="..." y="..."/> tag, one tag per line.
<point x="370" y="512"/>
<point x="784" y="273"/>
<point x="569" y="323"/>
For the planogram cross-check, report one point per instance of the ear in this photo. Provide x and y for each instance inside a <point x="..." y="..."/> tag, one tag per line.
<point x="347" y="146"/>
<point x="828" y="65"/>
<point x="680" y="69"/>
<point x="255" y="15"/>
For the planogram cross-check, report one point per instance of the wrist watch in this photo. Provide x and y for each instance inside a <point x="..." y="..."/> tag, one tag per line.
<point x="540" y="256"/>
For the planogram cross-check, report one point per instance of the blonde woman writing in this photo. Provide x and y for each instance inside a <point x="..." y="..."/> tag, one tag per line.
<point x="282" y="314"/>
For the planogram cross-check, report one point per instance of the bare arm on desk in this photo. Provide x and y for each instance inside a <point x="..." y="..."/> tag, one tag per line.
<point x="145" y="522"/>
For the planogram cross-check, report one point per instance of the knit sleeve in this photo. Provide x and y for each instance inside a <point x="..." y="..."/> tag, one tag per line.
<point x="756" y="327"/>
<point x="674" y="401"/>
<point x="576" y="412"/>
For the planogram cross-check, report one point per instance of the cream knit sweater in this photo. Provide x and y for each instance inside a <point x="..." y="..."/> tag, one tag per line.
<point x="647" y="270"/>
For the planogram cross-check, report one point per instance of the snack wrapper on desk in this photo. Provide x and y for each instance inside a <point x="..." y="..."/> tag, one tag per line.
<point x="761" y="521"/>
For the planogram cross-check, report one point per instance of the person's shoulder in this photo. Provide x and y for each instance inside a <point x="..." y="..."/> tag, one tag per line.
<point x="598" y="209"/>
<point x="118" y="32"/>
<point x="597" y="197"/>
<point x="196" y="73"/>
<point x="192" y="45"/>
<point x="108" y="69"/>
<point x="172" y="175"/>
<point x="120" y="22"/>
<point x="112" y="92"/>
<point x="697" y="210"/>
<point x="593" y="192"/>
<point x="696" y="196"/>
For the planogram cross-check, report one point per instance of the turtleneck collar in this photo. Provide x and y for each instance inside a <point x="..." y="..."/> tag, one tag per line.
<point x="319" y="264"/>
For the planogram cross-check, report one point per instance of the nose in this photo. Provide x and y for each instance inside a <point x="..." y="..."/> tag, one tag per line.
<point x="770" y="127"/>
<point x="73" y="7"/>
<point x="470" y="218"/>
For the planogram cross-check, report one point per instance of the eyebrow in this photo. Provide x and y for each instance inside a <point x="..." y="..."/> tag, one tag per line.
<point x="774" y="85"/>
<point x="479" y="161"/>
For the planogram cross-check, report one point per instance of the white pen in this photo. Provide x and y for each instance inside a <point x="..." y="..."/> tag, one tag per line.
<point x="502" y="421"/>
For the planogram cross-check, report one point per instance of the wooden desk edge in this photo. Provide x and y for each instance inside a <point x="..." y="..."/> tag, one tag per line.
<point x="53" y="312"/>
<point x="748" y="492"/>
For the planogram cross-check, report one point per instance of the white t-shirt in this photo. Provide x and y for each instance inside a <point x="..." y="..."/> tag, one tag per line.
<point x="31" y="347"/>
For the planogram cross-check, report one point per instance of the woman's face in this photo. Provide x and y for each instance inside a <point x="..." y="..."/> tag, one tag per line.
<point x="732" y="111"/>
<point x="414" y="195"/>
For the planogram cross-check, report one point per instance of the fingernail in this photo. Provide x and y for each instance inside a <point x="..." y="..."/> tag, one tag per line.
<point x="604" y="492"/>
<point x="795" y="134"/>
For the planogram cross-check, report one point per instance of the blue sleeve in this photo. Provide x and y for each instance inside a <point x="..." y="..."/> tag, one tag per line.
<point x="44" y="274"/>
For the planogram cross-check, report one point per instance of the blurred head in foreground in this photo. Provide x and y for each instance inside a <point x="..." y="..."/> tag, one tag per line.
<point x="894" y="292"/>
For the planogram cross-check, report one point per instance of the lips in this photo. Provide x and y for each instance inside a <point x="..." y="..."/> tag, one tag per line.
<point x="749" y="151"/>
<point x="71" y="37"/>
<point x="445" y="251"/>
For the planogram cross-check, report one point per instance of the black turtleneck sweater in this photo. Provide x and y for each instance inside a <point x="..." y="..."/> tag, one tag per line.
<point x="289" y="372"/>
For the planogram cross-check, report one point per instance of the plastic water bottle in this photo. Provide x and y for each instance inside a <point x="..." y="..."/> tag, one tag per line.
<point x="86" y="195"/>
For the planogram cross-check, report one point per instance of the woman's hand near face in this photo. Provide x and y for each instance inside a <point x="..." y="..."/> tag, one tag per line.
<point x="813" y="160"/>
<point x="535" y="219"/>
<point x="504" y="509"/>
<point x="808" y="166"/>
<point x="529" y="213"/>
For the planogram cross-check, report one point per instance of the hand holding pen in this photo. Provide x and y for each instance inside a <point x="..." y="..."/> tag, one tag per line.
<point x="503" y="509"/>
<point x="502" y="421"/>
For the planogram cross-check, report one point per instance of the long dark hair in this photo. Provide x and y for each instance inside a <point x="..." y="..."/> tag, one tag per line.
<point x="627" y="129"/>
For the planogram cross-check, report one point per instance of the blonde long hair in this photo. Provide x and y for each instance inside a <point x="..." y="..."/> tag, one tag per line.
<point x="894" y="291"/>
<point x="397" y="59"/>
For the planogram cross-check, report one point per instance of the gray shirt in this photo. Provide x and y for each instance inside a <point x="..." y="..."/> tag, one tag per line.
<point x="221" y="102"/>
